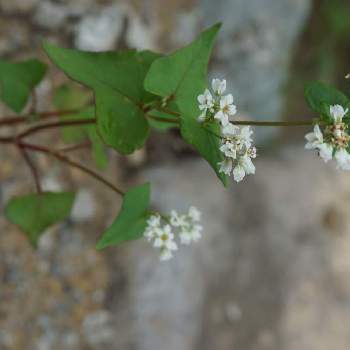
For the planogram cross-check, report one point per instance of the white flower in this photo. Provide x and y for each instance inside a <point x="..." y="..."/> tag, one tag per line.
<point x="229" y="149"/>
<point x="227" y="106"/>
<point x="153" y="221"/>
<point x="165" y="241"/>
<point x="247" y="164"/>
<point x="153" y="225"/>
<point x="226" y="166"/>
<point x="205" y="101"/>
<point x="191" y="234"/>
<point x="177" y="220"/>
<point x="229" y="130"/>
<point x="244" y="167"/>
<point x="338" y="112"/>
<point x="194" y="214"/>
<point x="238" y="173"/>
<point x="342" y="158"/>
<point x="314" y="139"/>
<point x="222" y="117"/>
<point x="245" y="136"/>
<point x="218" y="86"/>
<point x="227" y="109"/>
<point x="325" y="151"/>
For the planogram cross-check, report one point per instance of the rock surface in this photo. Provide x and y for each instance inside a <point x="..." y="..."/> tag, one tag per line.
<point x="272" y="270"/>
<point x="262" y="34"/>
<point x="269" y="265"/>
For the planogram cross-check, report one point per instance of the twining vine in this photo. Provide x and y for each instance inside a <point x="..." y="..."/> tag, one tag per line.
<point x="134" y="91"/>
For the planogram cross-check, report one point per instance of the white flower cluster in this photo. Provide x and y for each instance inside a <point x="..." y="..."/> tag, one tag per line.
<point x="188" y="230"/>
<point x="334" y="140"/>
<point x="236" y="142"/>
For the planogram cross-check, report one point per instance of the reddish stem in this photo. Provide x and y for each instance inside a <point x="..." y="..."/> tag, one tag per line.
<point x="51" y="125"/>
<point x="32" y="167"/>
<point x="10" y="120"/>
<point x="72" y="163"/>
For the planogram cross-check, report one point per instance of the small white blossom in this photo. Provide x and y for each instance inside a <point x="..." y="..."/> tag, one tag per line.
<point x="194" y="214"/>
<point x="236" y="142"/>
<point x="333" y="141"/>
<point x="177" y="220"/>
<point x="314" y="139"/>
<point x="191" y="231"/>
<point x="218" y="86"/>
<point x="244" y="167"/>
<point x="186" y="226"/>
<point x="193" y="234"/>
<point x="325" y="151"/>
<point x="245" y="136"/>
<point x="165" y="242"/>
<point x="226" y="166"/>
<point x="229" y="130"/>
<point x="227" y="109"/>
<point x="153" y="225"/>
<point x="338" y="112"/>
<point x="205" y="101"/>
<point x="229" y="149"/>
<point x="238" y="173"/>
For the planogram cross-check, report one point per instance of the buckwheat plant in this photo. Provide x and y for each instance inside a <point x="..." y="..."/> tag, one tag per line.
<point x="121" y="97"/>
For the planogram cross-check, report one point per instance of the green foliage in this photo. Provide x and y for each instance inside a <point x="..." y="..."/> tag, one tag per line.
<point x="182" y="76"/>
<point x="117" y="80"/>
<point x="34" y="213"/>
<point x="17" y="80"/>
<point x="163" y="125"/>
<point x="320" y="96"/>
<point x="205" y="142"/>
<point x="131" y="220"/>
<point x="70" y="97"/>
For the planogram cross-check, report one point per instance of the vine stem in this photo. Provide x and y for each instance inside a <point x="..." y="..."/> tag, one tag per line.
<point x="65" y="159"/>
<point x="32" y="167"/>
<point x="10" y="120"/>
<point x="63" y="123"/>
<point x="164" y="120"/>
<point x="274" y="123"/>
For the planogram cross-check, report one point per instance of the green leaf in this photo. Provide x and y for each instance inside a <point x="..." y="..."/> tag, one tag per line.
<point x="204" y="140"/>
<point x="117" y="80"/>
<point x="34" y="213"/>
<point x="320" y="96"/>
<point x="183" y="76"/>
<point x="131" y="220"/>
<point x="17" y="80"/>
<point x="68" y="97"/>
<point x="163" y="125"/>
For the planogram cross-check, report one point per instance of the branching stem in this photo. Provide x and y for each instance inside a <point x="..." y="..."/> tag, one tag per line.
<point x="74" y="164"/>
<point x="51" y="125"/>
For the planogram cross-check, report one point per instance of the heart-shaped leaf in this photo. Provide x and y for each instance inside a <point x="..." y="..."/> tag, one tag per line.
<point x="17" y="80"/>
<point x="131" y="220"/>
<point x="117" y="80"/>
<point x="34" y="213"/>
<point x="182" y="76"/>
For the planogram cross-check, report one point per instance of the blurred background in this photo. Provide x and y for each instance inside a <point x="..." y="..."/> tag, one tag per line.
<point x="272" y="271"/>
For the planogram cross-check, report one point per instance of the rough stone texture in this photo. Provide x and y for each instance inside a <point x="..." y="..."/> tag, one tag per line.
<point x="254" y="50"/>
<point x="273" y="262"/>
<point x="272" y="271"/>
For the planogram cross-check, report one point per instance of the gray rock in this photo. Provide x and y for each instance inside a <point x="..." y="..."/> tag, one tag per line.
<point x="51" y="15"/>
<point x="261" y="276"/>
<point x="254" y="50"/>
<point x="100" y="31"/>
